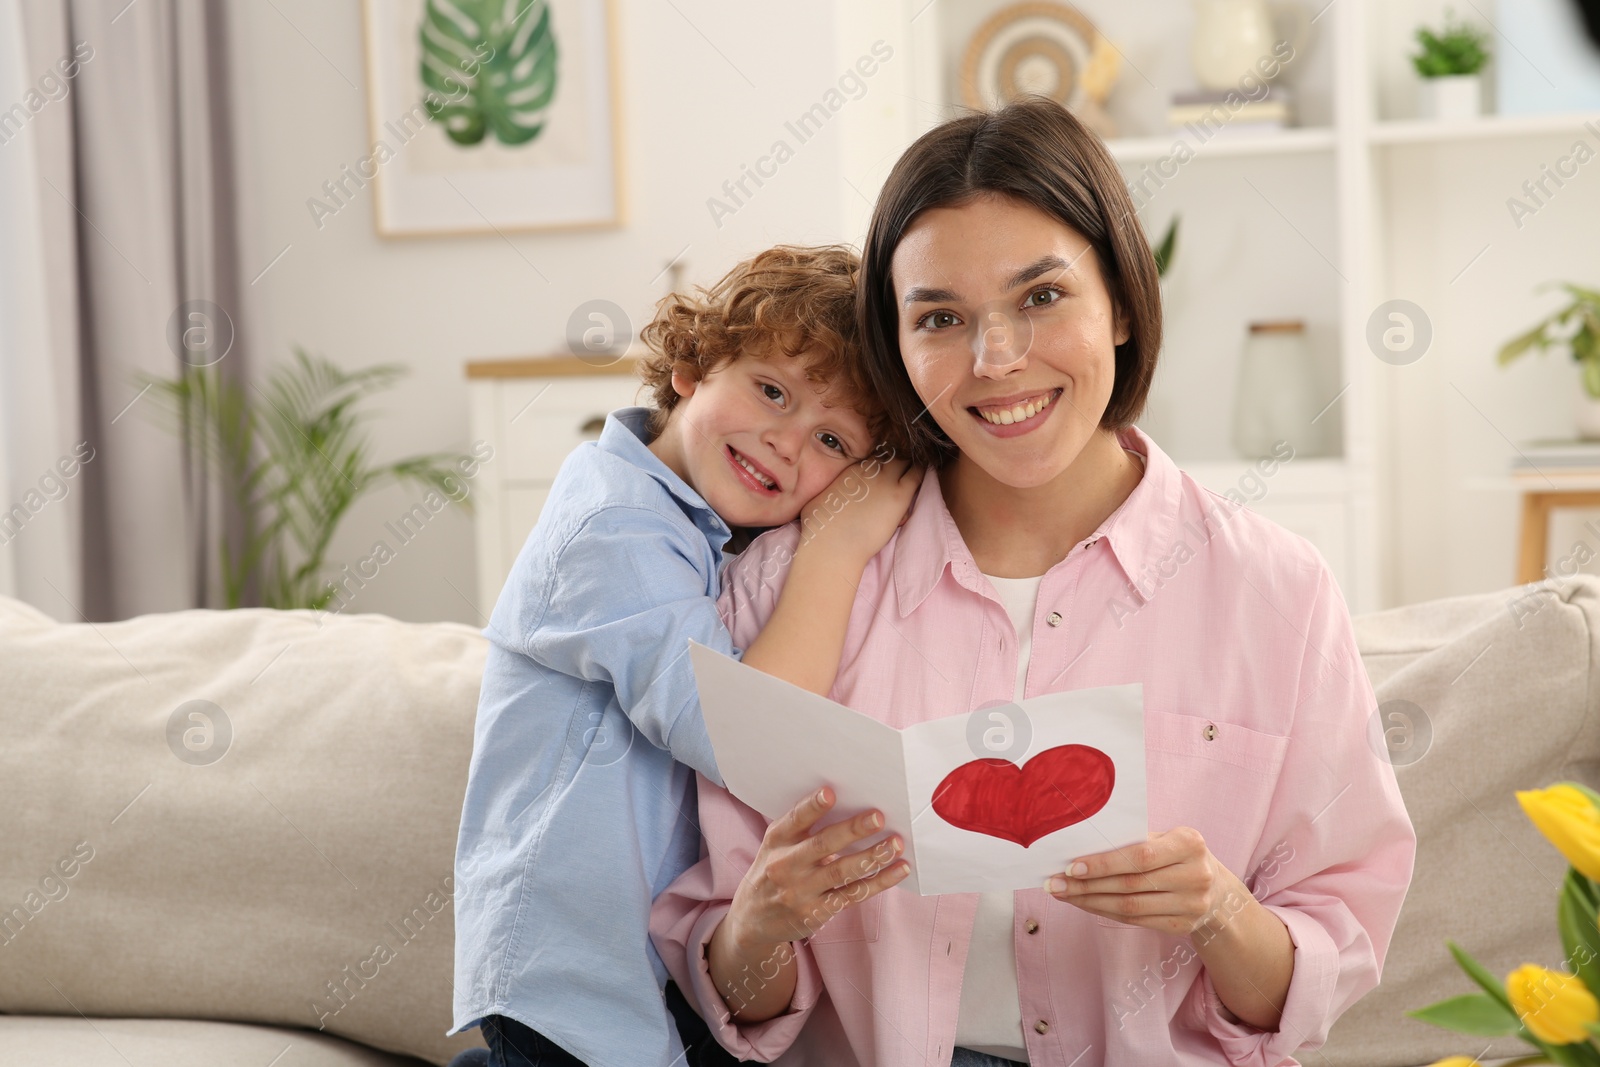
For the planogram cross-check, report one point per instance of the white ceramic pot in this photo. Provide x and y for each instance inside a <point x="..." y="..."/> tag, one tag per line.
<point x="1229" y="36"/>
<point x="1275" y="398"/>
<point x="1452" y="98"/>
<point x="1586" y="415"/>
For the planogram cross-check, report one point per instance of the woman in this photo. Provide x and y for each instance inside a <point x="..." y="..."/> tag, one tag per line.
<point x="1011" y="314"/>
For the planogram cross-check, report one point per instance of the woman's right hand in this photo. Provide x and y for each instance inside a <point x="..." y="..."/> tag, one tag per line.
<point x="799" y="879"/>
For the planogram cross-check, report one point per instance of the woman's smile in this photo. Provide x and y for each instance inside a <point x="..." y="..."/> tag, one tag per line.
<point x="1014" y="415"/>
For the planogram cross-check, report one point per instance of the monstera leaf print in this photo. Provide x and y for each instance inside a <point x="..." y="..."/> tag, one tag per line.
<point x="489" y="67"/>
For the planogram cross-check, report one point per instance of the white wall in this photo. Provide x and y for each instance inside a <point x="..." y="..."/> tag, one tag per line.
<point x="705" y="88"/>
<point x="1456" y="417"/>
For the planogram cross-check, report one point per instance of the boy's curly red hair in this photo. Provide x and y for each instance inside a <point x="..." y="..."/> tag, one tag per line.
<point x="790" y="300"/>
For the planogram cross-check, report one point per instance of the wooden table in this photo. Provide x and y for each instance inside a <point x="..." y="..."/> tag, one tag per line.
<point x="1542" y="494"/>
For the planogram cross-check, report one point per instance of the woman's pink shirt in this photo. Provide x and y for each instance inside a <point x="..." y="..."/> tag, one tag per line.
<point x="1259" y="733"/>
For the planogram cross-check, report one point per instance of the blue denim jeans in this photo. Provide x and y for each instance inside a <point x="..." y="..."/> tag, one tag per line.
<point x="517" y="1046"/>
<point x="512" y="1044"/>
<point x="965" y="1057"/>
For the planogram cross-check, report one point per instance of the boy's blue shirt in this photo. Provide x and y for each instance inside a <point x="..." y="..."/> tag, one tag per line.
<point x="580" y="802"/>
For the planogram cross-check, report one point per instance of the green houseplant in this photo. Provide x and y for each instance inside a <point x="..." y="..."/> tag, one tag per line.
<point x="1456" y="48"/>
<point x="1450" y="62"/>
<point x="292" y="456"/>
<point x="1575" y="327"/>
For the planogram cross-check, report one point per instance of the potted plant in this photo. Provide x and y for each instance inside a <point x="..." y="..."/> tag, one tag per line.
<point x="293" y="457"/>
<point x="1450" y="63"/>
<point x="1575" y="327"/>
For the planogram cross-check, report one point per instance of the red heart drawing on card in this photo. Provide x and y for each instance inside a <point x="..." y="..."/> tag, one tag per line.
<point x="1055" y="789"/>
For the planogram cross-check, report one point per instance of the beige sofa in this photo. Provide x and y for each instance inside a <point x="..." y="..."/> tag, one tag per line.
<point x="161" y="905"/>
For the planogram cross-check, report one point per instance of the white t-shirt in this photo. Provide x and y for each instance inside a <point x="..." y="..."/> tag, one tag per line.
<point x="990" y="1018"/>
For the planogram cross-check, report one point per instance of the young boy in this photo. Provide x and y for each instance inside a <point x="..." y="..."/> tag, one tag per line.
<point x="580" y="802"/>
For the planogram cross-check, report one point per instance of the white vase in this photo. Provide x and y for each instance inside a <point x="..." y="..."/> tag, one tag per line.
<point x="1276" y="395"/>
<point x="1586" y="415"/>
<point x="1231" y="37"/>
<point x="1453" y="98"/>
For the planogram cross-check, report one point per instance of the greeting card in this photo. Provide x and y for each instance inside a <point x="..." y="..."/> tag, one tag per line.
<point x="999" y="798"/>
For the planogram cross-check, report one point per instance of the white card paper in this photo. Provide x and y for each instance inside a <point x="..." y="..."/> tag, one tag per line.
<point x="964" y="819"/>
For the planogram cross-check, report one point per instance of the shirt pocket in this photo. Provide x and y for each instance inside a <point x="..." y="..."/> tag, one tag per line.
<point x="858" y="922"/>
<point x="1215" y="776"/>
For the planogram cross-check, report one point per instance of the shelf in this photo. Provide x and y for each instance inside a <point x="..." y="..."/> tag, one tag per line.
<point x="1425" y="131"/>
<point x="1321" y="138"/>
<point x="1235" y="144"/>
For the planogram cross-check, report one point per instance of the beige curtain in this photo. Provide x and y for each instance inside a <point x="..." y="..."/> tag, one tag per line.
<point x="137" y="217"/>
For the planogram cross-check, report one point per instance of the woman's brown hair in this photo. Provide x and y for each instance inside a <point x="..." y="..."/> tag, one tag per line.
<point x="789" y="300"/>
<point x="1033" y="151"/>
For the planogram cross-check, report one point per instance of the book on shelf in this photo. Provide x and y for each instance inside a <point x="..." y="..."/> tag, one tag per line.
<point x="1226" y="109"/>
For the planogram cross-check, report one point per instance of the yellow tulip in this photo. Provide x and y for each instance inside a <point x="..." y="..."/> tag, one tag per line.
<point x="1556" y="1007"/>
<point x="1571" y="823"/>
<point x="1456" y="1061"/>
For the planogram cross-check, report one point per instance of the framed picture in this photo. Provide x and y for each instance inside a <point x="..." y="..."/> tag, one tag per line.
<point x="489" y="115"/>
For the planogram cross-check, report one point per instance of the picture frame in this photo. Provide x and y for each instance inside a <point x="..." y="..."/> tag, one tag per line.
<point x="490" y="116"/>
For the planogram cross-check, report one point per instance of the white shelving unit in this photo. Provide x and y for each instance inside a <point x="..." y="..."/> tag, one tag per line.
<point x="1275" y="224"/>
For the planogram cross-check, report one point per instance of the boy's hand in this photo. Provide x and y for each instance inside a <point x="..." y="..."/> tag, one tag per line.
<point x="854" y="517"/>
<point x="841" y="530"/>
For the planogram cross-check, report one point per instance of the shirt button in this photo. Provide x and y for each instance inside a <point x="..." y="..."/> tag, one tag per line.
<point x="1210" y="732"/>
<point x="1054" y="618"/>
<point x="1041" y="1027"/>
<point x="1032" y="926"/>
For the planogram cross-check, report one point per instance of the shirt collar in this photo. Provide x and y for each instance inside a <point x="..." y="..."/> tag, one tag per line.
<point x="1139" y="532"/>
<point x="626" y="435"/>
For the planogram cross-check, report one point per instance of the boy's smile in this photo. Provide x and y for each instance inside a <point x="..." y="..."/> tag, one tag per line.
<point x="759" y="477"/>
<point x="757" y="440"/>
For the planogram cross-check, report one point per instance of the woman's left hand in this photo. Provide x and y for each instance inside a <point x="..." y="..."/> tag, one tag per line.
<point x="1170" y="883"/>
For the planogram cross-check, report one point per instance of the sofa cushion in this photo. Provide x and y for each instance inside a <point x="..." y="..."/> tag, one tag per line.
<point x="1500" y="696"/>
<point x="281" y="853"/>
<point x="177" y="1043"/>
